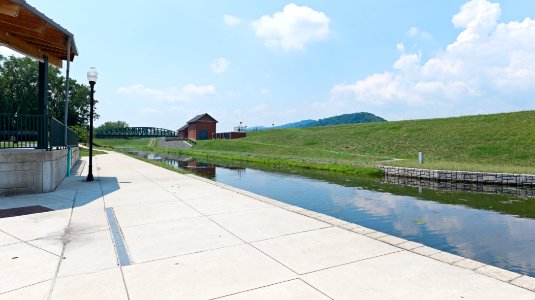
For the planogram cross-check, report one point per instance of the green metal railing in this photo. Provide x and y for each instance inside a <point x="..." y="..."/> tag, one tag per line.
<point x="34" y="131"/>
<point x="135" y="132"/>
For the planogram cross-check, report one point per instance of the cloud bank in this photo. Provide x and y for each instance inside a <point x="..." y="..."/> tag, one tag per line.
<point x="490" y="67"/>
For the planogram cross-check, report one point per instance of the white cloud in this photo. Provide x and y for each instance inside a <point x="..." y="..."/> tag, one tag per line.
<point x="478" y="18"/>
<point x="200" y="90"/>
<point x="264" y="91"/>
<point x="490" y="67"/>
<point x="171" y="94"/>
<point x="231" y="20"/>
<point x="220" y="65"/>
<point x="416" y="32"/>
<point x="292" y="28"/>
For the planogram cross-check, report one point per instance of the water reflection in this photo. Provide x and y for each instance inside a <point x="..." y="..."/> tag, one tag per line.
<point x="521" y="191"/>
<point x="497" y="228"/>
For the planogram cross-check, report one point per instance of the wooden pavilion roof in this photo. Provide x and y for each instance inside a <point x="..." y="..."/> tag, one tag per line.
<point x="28" y="31"/>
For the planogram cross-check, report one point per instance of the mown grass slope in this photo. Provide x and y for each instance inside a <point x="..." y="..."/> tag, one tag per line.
<point x="498" y="142"/>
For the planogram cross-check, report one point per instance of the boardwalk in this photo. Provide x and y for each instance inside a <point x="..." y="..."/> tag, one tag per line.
<point x="143" y="232"/>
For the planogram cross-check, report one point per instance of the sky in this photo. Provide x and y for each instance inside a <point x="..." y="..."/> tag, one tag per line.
<point x="272" y="62"/>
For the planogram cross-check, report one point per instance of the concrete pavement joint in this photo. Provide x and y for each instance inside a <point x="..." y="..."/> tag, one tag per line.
<point x="189" y="253"/>
<point x="310" y="285"/>
<point x="161" y="222"/>
<point x="253" y="289"/>
<point x="23" y="287"/>
<point x="352" y="262"/>
<point x="293" y="233"/>
<point x="251" y="245"/>
<point x="26" y="242"/>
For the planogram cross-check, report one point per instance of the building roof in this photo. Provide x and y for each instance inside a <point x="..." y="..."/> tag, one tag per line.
<point x="197" y="118"/>
<point x="26" y="30"/>
<point x="183" y="127"/>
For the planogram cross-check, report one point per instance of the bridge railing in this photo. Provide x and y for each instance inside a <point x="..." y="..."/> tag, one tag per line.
<point x="135" y="132"/>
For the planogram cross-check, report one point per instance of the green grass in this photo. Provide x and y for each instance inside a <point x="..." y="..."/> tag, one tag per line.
<point x="494" y="143"/>
<point x="277" y="162"/>
<point x="126" y="142"/>
<point x="157" y="163"/>
<point x="85" y="152"/>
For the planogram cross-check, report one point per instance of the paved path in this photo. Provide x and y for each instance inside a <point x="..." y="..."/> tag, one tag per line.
<point x="189" y="238"/>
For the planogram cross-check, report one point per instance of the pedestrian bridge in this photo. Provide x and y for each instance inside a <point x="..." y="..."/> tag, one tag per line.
<point x="134" y="132"/>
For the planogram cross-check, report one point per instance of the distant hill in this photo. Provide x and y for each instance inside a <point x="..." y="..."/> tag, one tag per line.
<point x="361" y="117"/>
<point x="300" y="124"/>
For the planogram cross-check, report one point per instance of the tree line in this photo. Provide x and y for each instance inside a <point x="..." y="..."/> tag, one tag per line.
<point x="19" y="89"/>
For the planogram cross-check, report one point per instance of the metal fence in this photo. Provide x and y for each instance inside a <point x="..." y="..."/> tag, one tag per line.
<point x="34" y="131"/>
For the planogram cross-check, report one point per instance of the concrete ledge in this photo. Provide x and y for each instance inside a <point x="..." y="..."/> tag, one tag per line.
<point x="509" y="277"/>
<point x="526" y="180"/>
<point x="28" y="171"/>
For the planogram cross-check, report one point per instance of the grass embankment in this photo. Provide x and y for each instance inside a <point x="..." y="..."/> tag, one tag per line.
<point x="85" y="152"/>
<point x="493" y="143"/>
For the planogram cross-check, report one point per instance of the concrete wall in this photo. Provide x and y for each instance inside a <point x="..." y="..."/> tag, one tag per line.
<point x="26" y="171"/>
<point x="462" y="176"/>
<point x="172" y="144"/>
<point x="522" y="191"/>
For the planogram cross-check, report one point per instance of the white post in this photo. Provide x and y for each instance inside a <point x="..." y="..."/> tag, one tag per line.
<point x="421" y="158"/>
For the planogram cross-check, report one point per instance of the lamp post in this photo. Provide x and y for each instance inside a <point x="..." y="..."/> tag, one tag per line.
<point x="92" y="76"/>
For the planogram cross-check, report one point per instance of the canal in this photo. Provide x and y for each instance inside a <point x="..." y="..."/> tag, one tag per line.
<point x="491" y="224"/>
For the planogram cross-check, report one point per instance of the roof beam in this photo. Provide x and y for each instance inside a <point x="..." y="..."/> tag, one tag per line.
<point x="9" y="9"/>
<point x="27" y="48"/>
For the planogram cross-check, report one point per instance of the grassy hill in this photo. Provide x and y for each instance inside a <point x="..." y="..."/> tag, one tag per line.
<point x="498" y="142"/>
<point x="495" y="143"/>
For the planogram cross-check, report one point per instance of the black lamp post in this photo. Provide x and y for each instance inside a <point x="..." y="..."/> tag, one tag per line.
<point x="92" y="76"/>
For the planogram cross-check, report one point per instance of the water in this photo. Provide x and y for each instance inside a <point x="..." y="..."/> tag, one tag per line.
<point x="497" y="229"/>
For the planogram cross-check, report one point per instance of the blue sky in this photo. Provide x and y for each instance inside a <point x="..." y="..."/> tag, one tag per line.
<point x="263" y="62"/>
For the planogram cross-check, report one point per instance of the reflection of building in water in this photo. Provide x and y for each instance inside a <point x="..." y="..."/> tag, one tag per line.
<point x="205" y="170"/>
<point x="238" y="170"/>
<point x="187" y="163"/>
<point x="526" y="192"/>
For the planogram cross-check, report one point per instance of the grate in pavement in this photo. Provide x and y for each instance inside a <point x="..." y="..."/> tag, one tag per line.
<point x="120" y="247"/>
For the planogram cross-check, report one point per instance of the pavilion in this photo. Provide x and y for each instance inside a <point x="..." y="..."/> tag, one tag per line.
<point x="41" y="164"/>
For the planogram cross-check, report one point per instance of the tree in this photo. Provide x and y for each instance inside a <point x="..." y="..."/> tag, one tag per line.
<point x="110" y="125"/>
<point x="81" y="132"/>
<point x="19" y="88"/>
<point x="18" y="85"/>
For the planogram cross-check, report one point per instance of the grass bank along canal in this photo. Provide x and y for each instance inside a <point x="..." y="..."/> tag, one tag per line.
<point x="497" y="229"/>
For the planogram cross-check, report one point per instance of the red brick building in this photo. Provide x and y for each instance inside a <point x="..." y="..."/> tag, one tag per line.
<point x="202" y="127"/>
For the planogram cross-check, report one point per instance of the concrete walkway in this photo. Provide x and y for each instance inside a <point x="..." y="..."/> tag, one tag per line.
<point x="184" y="237"/>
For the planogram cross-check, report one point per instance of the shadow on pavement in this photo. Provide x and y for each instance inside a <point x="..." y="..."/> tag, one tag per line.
<point x="74" y="191"/>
